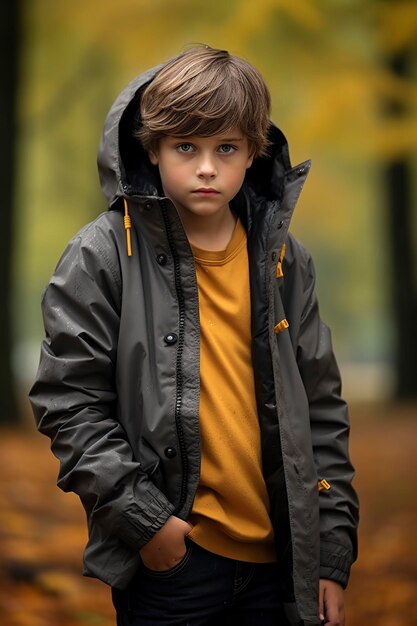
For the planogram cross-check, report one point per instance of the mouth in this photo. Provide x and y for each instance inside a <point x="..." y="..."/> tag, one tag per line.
<point x="206" y="191"/>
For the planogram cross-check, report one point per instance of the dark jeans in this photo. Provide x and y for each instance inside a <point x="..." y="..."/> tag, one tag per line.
<point x="202" y="590"/>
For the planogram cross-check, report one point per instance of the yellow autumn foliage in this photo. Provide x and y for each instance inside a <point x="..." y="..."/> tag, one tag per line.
<point x="327" y="65"/>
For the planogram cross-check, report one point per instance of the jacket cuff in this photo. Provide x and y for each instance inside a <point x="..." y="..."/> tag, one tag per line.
<point x="335" y="562"/>
<point x="145" y="521"/>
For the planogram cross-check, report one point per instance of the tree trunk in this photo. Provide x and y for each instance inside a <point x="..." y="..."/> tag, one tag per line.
<point x="9" y="47"/>
<point x="404" y="288"/>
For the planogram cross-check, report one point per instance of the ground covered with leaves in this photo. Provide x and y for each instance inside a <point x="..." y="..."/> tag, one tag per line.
<point x="42" y="531"/>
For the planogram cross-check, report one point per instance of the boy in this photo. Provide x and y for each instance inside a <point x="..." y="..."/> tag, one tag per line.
<point x="186" y="380"/>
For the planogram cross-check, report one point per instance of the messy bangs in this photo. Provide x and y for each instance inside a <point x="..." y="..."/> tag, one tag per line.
<point x="205" y="92"/>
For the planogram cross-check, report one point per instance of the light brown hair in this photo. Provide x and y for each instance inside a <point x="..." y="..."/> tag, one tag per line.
<point x="204" y="92"/>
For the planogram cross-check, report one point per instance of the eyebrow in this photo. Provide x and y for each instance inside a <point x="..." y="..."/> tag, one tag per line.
<point x="221" y="139"/>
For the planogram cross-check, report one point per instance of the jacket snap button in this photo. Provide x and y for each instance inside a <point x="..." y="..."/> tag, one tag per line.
<point x="274" y="256"/>
<point x="280" y="224"/>
<point x="148" y="205"/>
<point x="170" y="453"/>
<point x="171" y="338"/>
<point x="161" y="259"/>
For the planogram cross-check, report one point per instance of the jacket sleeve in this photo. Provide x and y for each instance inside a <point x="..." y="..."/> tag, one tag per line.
<point x="330" y="434"/>
<point x="74" y="398"/>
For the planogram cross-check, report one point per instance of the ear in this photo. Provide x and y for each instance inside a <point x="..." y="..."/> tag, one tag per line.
<point x="250" y="159"/>
<point x="153" y="157"/>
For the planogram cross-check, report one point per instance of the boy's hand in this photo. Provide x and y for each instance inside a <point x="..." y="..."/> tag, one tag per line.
<point x="167" y="546"/>
<point x="331" y="603"/>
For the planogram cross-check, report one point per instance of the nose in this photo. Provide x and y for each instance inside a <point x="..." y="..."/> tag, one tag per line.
<point x="206" y="166"/>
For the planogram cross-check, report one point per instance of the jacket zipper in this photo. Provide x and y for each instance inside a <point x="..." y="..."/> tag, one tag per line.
<point x="180" y="350"/>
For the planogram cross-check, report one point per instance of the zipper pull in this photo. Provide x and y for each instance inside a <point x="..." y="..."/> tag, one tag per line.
<point x="323" y="485"/>
<point x="128" y="225"/>
<point x="282" y="325"/>
<point x="279" y="273"/>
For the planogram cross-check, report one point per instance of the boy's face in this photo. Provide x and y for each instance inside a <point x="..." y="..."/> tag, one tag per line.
<point x="202" y="174"/>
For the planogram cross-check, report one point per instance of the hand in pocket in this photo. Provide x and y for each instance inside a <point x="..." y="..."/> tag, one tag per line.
<point x="167" y="547"/>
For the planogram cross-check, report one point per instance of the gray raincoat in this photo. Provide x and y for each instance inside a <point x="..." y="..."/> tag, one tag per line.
<point x="117" y="389"/>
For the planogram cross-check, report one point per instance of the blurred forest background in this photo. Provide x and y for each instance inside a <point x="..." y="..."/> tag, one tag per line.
<point x="343" y="78"/>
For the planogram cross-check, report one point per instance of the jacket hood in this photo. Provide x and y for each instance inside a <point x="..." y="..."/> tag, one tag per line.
<point x="125" y="169"/>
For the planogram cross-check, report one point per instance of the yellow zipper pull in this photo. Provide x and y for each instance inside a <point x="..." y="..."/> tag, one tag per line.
<point x="282" y="325"/>
<point x="279" y="272"/>
<point x="128" y="225"/>
<point x="323" y="485"/>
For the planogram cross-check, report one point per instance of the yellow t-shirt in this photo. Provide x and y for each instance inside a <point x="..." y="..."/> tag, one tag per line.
<point x="230" y="515"/>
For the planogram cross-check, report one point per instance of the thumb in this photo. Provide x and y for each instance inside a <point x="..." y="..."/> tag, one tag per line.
<point x="321" y="601"/>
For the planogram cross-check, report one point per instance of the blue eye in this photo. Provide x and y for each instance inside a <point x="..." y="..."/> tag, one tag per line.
<point x="227" y="149"/>
<point x="185" y="147"/>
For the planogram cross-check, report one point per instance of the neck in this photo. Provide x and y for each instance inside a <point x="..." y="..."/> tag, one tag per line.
<point x="212" y="232"/>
